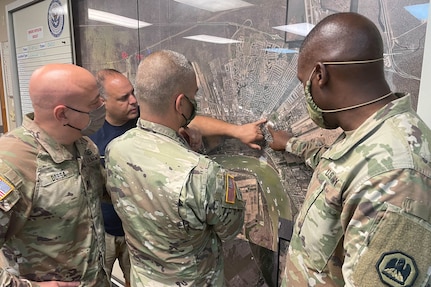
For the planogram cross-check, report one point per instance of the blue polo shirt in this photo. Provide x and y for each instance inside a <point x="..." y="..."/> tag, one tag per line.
<point x="102" y="138"/>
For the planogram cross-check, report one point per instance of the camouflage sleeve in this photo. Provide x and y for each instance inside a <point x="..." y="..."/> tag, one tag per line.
<point x="106" y="197"/>
<point x="11" y="207"/>
<point x="309" y="151"/>
<point x="224" y="207"/>
<point x="8" y="280"/>
<point x="14" y="208"/>
<point x="360" y="236"/>
<point x="389" y="231"/>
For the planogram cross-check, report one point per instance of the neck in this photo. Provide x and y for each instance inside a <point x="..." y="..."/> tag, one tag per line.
<point x="114" y="122"/>
<point x="72" y="149"/>
<point x="63" y="135"/>
<point x="168" y="118"/>
<point x="353" y="119"/>
<point x="359" y="105"/>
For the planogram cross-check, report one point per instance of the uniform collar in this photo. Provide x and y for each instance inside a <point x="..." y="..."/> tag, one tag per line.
<point x="57" y="151"/>
<point x="162" y="130"/>
<point x="346" y="142"/>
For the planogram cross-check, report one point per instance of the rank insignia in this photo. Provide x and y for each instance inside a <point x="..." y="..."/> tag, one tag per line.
<point x="5" y="188"/>
<point x="230" y="189"/>
<point x="397" y="269"/>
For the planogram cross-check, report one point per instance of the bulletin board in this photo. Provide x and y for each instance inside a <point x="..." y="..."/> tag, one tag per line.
<point x="39" y="33"/>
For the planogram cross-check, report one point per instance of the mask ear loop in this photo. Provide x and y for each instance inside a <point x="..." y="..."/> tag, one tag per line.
<point x="176" y="103"/>
<point x="193" y="113"/>
<point x="353" y="62"/>
<point x="359" y="105"/>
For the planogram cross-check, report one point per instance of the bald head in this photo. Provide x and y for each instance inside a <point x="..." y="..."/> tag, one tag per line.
<point x="341" y="59"/>
<point x="161" y="76"/>
<point x="343" y="37"/>
<point x="55" y="84"/>
<point x="54" y="88"/>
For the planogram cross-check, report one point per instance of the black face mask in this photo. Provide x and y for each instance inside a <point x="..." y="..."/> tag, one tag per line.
<point x="193" y="114"/>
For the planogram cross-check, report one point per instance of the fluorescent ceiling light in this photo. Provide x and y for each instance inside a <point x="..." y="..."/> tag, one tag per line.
<point x="212" y="39"/>
<point x="115" y="19"/>
<point x="216" y="5"/>
<point x="301" y="29"/>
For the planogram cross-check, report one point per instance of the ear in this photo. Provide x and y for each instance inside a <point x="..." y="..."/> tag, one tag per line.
<point x="178" y="103"/>
<point x="60" y="114"/>
<point x="321" y="74"/>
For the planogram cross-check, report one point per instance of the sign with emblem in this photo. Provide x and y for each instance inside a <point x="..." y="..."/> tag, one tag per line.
<point x="36" y="41"/>
<point x="56" y="14"/>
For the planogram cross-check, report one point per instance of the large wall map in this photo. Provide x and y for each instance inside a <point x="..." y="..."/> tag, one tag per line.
<point x="249" y="72"/>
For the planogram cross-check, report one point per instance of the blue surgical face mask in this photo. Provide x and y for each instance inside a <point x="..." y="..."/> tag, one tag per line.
<point x="316" y="113"/>
<point x="97" y="118"/>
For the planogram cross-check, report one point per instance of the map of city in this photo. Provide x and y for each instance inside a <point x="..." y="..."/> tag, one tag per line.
<point x="245" y="58"/>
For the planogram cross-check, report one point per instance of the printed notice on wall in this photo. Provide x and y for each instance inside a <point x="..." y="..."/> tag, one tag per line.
<point x="42" y="35"/>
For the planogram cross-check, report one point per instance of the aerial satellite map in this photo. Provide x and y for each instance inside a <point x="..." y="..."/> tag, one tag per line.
<point x="245" y="57"/>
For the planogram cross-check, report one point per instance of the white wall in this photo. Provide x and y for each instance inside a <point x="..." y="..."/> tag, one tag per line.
<point x="424" y="101"/>
<point x="3" y="25"/>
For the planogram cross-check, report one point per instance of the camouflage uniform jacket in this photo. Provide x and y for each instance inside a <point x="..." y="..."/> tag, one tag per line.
<point x="50" y="221"/>
<point x="177" y="206"/>
<point x="366" y="219"/>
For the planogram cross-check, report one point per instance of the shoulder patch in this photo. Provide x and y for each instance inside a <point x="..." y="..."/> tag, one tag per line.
<point x="397" y="269"/>
<point x="230" y="189"/>
<point x="5" y="188"/>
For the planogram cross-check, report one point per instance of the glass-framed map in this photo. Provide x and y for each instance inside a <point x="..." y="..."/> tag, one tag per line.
<point x="245" y="55"/>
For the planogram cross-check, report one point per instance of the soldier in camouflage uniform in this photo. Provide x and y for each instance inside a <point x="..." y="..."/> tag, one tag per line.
<point x="51" y="231"/>
<point x="121" y="115"/>
<point x="366" y="217"/>
<point x="177" y="206"/>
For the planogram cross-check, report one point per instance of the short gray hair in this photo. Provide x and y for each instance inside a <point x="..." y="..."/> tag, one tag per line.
<point x="162" y="75"/>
